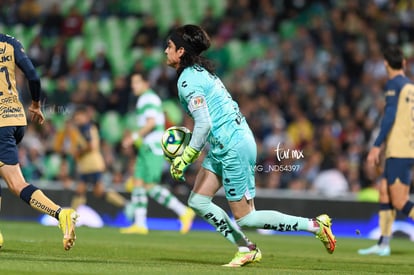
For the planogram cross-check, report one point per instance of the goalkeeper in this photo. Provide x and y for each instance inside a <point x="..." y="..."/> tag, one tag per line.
<point x="232" y="155"/>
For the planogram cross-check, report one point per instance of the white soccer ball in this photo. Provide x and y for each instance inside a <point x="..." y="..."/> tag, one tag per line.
<point x="174" y="141"/>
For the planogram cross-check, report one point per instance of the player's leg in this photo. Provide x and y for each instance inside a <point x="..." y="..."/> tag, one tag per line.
<point x="161" y="194"/>
<point x="12" y="175"/>
<point x="206" y="186"/>
<point x="399" y="186"/>
<point x="79" y="198"/>
<point x="164" y="197"/>
<point x="136" y="209"/>
<point x="239" y="183"/>
<point x="39" y="201"/>
<point x="110" y="196"/>
<point x="387" y="216"/>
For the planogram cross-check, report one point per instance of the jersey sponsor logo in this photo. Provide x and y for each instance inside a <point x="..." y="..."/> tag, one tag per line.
<point x="196" y="103"/>
<point x="9" y="99"/>
<point x="3" y="50"/>
<point x="7" y="112"/>
<point x="390" y="93"/>
<point x="6" y="58"/>
<point x="37" y="204"/>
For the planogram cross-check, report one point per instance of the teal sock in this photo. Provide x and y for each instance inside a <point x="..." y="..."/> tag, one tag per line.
<point x="274" y="220"/>
<point x="164" y="197"/>
<point x="217" y="217"/>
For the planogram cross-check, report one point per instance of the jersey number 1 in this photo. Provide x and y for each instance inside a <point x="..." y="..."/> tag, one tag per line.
<point x="6" y="73"/>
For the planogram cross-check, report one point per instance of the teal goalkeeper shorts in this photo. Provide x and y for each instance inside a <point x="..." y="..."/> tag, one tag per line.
<point x="148" y="166"/>
<point x="236" y="169"/>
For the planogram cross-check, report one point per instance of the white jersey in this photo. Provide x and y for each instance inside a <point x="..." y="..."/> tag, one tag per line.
<point x="149" y="105"/>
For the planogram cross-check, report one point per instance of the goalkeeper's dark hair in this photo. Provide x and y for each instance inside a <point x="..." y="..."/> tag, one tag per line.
<point x="194" y="40"/>
<point x="394" y="57"/>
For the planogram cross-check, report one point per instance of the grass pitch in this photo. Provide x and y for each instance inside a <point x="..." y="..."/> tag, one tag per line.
<point x="31" y="248"/>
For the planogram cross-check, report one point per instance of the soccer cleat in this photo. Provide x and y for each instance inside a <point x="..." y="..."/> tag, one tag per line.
<point x="1" y="240"/>
<point x="134" y="229"/>
<point x="380" y="250"/>
<point x="243" y="258"/>
<point x="186" y="220"/>
<point x="67" y="223"/>
<point x="325" y="234"/>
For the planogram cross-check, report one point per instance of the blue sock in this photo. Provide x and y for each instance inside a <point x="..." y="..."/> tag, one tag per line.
<point x="26" y="193"/>
<point x="407" y="208"/>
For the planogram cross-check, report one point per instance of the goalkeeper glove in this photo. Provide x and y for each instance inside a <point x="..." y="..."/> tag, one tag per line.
<point x="181" y="163"/>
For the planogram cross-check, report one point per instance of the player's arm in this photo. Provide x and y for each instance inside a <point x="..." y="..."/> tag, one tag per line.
<point x="390" y="111"/>
<point x="148" y="127"/>
<point x="137" y="136"/>
<point x="89" y="140"/>
<point x="197" y="106"/>
<point x="202" y="125"/>
<point x="26" y="65"/>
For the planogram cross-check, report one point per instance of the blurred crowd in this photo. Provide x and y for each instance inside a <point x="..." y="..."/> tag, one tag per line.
<point x="313" y="97"/>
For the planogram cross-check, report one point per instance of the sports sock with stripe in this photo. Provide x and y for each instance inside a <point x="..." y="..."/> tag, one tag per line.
<point x="38" y="201"/>
<point x="217" y="217"/>
<point x="139" y="204"/>
<point x="386" y="218"/>
<point x="274" y="220"/>
<point x="164" y="197"/>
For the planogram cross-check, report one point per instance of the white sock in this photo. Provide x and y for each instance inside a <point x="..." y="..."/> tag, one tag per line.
<point x="141" y="217"/>
<point x="243" y="249"/>
<point x="313" y="226"/>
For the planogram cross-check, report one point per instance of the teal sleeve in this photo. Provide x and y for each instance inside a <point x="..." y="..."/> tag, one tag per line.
<point x="202" y="126"/>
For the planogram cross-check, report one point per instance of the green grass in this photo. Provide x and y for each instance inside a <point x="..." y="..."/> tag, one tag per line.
<point x="30" y="248"/>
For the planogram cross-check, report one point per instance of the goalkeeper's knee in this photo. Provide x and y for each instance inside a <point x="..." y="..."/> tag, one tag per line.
<point x="199" y="203"/>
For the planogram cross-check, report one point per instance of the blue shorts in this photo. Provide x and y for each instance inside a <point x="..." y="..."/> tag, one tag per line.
<point x="10" y="136"/>
<point x="398" y="168"/>
<point x="91" y="178"/>
<point x="235" y="169"/>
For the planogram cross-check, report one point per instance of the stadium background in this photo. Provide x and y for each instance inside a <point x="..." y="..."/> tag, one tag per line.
<point x="307" y="75"/>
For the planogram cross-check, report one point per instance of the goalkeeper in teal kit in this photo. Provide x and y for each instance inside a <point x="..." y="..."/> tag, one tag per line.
<point x="231" y="157"/>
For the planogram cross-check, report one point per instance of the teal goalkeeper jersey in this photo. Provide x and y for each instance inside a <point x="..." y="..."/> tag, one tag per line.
<point x="197" y="88"/>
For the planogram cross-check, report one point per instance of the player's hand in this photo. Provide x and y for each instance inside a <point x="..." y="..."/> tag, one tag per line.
<point x="373" y="158"/>
<point x="177" y="168"/>
<point x="36" y="114"/>
<point x="181" y="163"/>
<point x="130" y="139"/>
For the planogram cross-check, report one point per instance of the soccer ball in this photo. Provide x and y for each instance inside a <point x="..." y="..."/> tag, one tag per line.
<point x="174" y="140"/>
